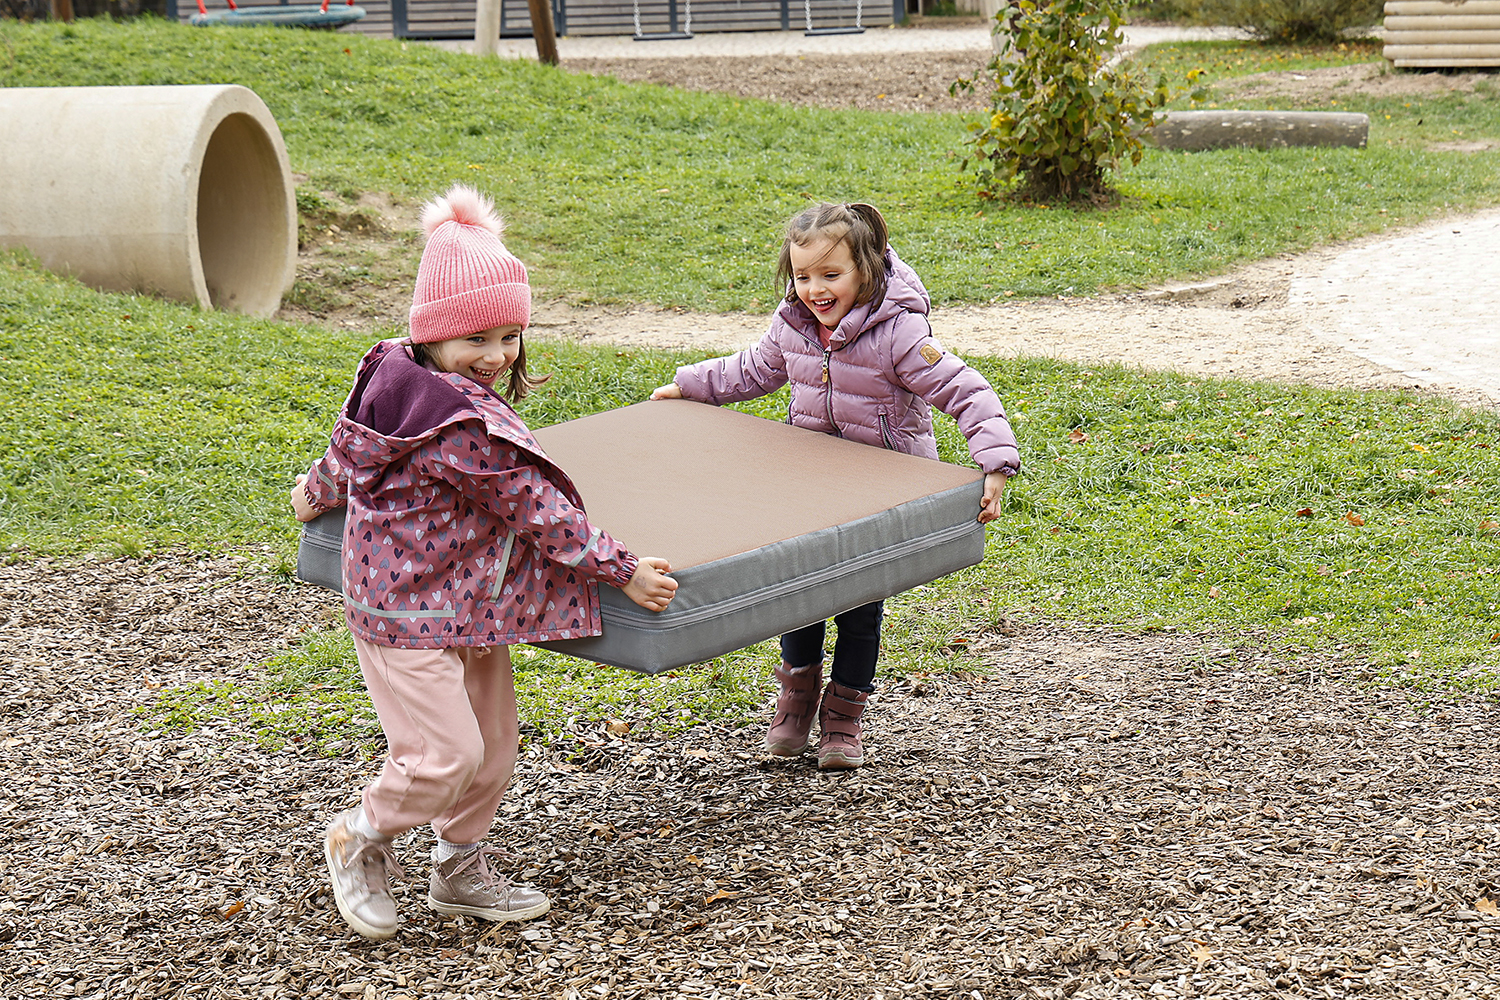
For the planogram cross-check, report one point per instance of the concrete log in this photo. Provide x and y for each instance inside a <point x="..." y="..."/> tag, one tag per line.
<point x="183" y="192"/>
<point x="1195" y="131"/>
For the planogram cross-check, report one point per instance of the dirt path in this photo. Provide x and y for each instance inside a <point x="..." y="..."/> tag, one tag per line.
<point x="1103" y="816"/>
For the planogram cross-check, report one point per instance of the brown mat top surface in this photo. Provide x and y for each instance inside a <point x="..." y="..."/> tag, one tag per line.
<point x="695" y="483"/>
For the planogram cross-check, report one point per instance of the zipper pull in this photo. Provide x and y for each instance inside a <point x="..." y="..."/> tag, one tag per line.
<point x="825" y="367"/>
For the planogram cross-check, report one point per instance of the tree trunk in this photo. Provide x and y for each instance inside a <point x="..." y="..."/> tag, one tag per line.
<point x="543" y="31"/>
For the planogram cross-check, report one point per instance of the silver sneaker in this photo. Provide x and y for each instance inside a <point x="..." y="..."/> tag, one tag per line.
<point x="466" y="884"/>
<point x="360" y="870"/>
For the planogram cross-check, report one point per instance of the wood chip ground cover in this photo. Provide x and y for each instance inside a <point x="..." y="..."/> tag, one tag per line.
<point x="1091" y="815"/>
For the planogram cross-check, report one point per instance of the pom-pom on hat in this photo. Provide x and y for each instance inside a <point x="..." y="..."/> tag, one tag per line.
<point x="467" y="280"/>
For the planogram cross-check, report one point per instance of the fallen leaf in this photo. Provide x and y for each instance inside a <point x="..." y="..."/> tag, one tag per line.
<point x="1199" y="953"/>
<point x="1354" y="519"/>
<point x="1488" y="907"/>
<point x="721" y="894"/>
<point x="232" y="910"/>
<point x="1077" y="436"/>
<point x="1305" y="512"/>
<point x="617" y="727"/>
<point x="1214" y="592"/>
<point x="1324" y="571"/>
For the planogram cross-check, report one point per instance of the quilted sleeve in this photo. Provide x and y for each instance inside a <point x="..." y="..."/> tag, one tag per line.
<point x="944" y="381"/>
<point x="756" y="371"/>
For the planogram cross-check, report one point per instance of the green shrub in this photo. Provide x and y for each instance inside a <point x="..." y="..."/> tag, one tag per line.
<point x="1294" y="20"/>
<point x="1062" y="113"/>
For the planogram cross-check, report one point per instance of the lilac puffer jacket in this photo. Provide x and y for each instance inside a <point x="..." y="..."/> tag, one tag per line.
<point x="874" y="380"/>
<point x="460" y="530"/>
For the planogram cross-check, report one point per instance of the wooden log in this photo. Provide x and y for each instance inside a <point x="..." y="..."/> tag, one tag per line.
<point x="1394" y="52"/>
<point x="1195" y="131"/>
<point x="1433" y="22"/>
<point x="1443" y="37"/>
<point x="1443" y="63"/>
<point x="1441" y="7"/>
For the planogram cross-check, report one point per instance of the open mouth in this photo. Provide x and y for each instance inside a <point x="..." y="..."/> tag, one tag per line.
<point x="484" y="375"/>
<point x="823" y="305"/>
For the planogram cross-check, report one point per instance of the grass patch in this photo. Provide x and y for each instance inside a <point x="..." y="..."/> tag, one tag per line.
<point x="637" y="193"/>
<point x="1227" y="60"/>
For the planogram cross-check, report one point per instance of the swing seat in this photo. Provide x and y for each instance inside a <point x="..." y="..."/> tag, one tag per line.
<point x="663" y="36"/>
<point x="834" y="31"/>
<point x="288" y="15"/>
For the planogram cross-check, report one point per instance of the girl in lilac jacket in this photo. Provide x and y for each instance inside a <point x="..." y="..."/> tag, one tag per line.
<point x="462" y="538"/>
<point x="852" y="338"/>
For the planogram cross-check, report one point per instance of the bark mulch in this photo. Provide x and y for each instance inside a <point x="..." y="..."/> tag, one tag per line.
<point x="1100" y="816"/>
<point x="889" y="81"/>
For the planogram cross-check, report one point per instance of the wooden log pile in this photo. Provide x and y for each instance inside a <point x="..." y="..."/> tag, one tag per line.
<point x="1442" y="33"/>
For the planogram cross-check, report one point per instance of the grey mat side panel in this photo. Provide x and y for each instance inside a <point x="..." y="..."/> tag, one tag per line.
<point x="734" y="602"/>
<point x="320" y="551"/>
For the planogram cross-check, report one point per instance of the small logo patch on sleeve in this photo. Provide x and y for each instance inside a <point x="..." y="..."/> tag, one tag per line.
<point x="931" y="354"/>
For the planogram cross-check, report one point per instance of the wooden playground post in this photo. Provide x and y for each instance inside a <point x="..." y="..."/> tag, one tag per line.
<point x="487" y="27"/>
<point x="543" y="31"/>
<point x="62" y="10"/>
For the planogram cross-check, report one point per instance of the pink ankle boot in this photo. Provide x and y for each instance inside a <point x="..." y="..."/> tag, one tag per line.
<point x="795" y="707"/>
<point x="839" y="748"/>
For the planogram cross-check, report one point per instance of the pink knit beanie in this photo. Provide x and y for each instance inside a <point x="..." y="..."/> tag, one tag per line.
<point x="467" y="280"/>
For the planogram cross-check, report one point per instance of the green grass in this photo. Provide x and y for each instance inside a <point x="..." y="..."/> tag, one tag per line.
<point x="636" y="193"/>
<point x="1228" y="60"/>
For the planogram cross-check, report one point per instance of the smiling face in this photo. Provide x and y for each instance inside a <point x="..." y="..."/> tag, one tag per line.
<point x="825" y="279"/>
<point x="482" y="356"/>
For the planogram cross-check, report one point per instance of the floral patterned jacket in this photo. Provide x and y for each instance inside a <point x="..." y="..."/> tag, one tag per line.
<point x="460" y="531"/>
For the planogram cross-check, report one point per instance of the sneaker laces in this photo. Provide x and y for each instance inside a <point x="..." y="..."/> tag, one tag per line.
<point x="476" y="861"/>
<point x="376" y="855"/>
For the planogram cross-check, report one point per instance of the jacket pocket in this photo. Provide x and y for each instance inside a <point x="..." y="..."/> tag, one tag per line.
<point x="885" y="433"/>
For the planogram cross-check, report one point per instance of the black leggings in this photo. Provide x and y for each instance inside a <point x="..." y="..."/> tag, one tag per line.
<point x="854" y="651"/>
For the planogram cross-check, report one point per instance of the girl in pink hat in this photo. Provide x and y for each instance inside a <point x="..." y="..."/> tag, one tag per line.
<point x="461" y="538"/>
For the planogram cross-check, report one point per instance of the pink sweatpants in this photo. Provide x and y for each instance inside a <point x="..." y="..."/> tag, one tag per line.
<point x="449" y="717"/>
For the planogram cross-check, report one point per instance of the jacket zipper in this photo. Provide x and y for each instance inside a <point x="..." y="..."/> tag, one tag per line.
<point x="828" y="393"/>
<point x="885" y="433"/>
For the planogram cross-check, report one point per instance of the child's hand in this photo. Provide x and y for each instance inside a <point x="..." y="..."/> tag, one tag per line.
<point x="989" y="507"/>
<point x="650" y="587"/>
<point x="304" y="510"/>
<point x="668" y="391"/>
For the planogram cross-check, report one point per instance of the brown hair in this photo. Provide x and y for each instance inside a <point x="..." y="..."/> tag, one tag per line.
<point x="861" y="227"/>
<point x="517" y="386"/>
